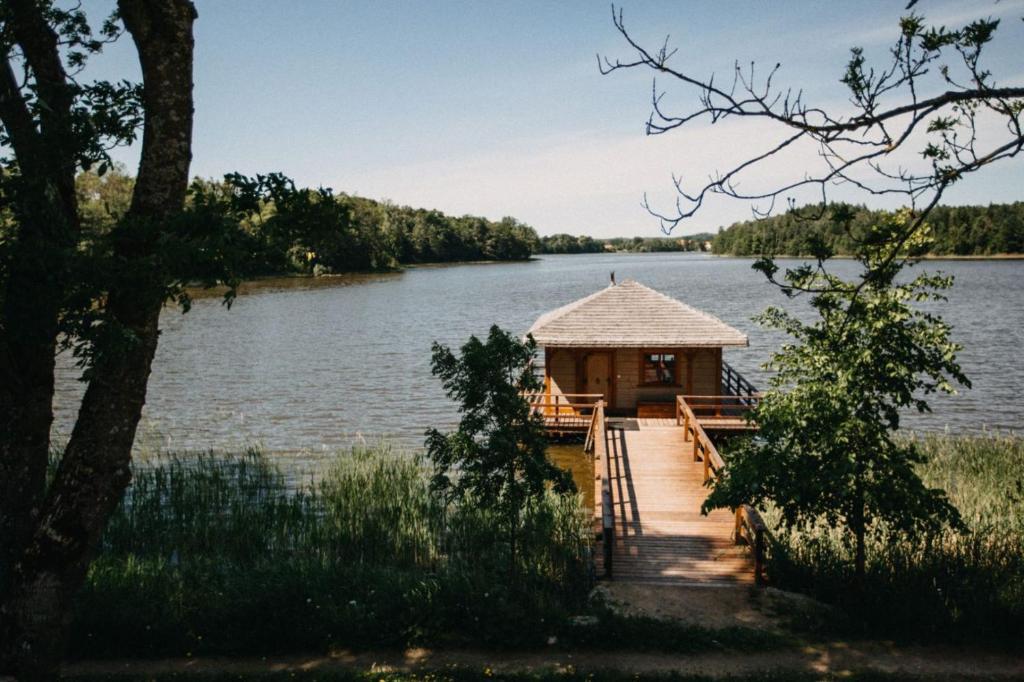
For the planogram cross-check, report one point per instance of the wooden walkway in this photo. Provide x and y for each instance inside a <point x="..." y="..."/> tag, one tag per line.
<point x="657" y="490"/>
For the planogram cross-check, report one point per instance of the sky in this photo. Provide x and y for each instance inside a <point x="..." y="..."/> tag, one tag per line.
<point x="499" y="109"/>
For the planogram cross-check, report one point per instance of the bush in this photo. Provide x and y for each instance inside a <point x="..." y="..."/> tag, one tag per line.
<point x="946" y="585"/>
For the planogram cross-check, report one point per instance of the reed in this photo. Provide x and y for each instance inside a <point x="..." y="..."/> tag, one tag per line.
<point x="948" y="585"/>
<point x="216" y="553"/>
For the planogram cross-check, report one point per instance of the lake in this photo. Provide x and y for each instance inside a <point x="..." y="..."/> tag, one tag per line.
<point x="304" y="366"/>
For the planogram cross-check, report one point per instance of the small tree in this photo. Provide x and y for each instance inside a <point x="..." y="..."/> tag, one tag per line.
<point x="825" y="446"/>
<point x="498" y="454"/>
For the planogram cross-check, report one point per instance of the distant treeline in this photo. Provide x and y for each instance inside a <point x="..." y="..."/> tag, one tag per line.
<point x="567" y="243"/>
<point x="283" y="229"/>
<point x="956" y="230"/>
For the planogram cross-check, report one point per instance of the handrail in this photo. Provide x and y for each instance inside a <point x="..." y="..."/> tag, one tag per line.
<point x="556" y="403"/>
<point x="724" y="397"/>
<point x="723" y="405"/>
<point x="734" y="383"/>
<point x="750" y="528"/>
<point x="597" y="444"/>
<point x="563" y="395"/>
<point x="562" y="410"/>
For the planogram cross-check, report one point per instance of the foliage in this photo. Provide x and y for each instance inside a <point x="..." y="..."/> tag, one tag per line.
<point x="949" y="585"/>
<point x="956" y="230"/>
<point x="282" y="228"/>
<point x="566" y="243"/>
<point x="693" y="242"/>
<point x="204" y="546"/>
<point x="826" y="446"/>
<point x="497" y="457"/>
<point x="103" y="199"/>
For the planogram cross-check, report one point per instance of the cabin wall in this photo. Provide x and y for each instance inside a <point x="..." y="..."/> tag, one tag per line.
<point x="562" y="371"/>
<point x="699" y="373"/>
<point x="707" y="372"/>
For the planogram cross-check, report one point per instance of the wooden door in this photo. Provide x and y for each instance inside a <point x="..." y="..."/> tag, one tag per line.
<point x="597" y="375"/>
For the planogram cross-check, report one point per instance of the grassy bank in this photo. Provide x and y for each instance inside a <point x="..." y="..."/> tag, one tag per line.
<point x="215" y="553"/>
<point x="949" y="586"/>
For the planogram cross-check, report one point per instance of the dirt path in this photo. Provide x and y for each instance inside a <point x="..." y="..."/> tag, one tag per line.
<point x="836" y="658"/>
<point x="713" y="608"/>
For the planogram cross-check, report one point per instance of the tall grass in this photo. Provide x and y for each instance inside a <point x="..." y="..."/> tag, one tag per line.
<point x="949" y="585"/>
<point x="215" y="553"/>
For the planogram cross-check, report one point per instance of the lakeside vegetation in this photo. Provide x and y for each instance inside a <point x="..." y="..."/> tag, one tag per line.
<point x="279" y="228"/>
<point x="955" y="231"/>
<point x="947" y="585"/>
<point x="205" y="545"/>
<point x="567" y="243"/>
<point x="315" y="231"/>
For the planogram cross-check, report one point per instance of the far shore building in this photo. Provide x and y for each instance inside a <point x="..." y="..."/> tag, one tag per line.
<point x="638" y="348"/>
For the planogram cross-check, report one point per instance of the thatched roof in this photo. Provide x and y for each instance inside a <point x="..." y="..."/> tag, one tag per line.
<point x="630" y="315"/>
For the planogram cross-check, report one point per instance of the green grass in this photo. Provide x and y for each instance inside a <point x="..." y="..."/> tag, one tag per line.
<point x="216" y="554"/>
<point x="949" y="586"/>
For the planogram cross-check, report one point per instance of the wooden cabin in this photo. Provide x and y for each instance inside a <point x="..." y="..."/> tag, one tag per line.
<point x="637" y="348"/>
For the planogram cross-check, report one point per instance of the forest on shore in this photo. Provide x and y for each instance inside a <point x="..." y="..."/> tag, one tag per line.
<point x="283" y="229"/>
<point x="955" y="231"/>
<point x="567" y="243"/>
<point x="293" y="230"/>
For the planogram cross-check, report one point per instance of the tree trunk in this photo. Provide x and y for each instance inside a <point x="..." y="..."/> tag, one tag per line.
<point x="95" y="467"/>
<point x="42" y="198"/>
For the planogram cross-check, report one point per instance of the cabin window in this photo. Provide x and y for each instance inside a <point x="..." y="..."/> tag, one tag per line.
<point x="659" y="369"/>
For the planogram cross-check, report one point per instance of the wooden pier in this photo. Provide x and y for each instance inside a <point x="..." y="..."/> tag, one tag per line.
<point x="656" y="494"/>
<point x="642" y="378"/>
<point x="650" y="476"/>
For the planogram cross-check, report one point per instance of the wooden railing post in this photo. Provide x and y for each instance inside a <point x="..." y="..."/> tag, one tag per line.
<point x="759" y="558"/>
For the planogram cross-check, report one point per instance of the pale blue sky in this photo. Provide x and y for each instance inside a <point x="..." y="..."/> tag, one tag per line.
<point x="499" y="109"/>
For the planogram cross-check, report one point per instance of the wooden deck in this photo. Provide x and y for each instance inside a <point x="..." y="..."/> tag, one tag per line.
<point x="656" y="493"/>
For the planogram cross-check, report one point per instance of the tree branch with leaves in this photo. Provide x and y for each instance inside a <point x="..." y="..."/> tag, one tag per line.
<point x="497" y="457"/>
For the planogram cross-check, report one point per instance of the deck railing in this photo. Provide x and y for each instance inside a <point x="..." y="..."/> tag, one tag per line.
<point x="597" y="444"/>
<point x="720" y="405"/>
<point x="735" y="384"/>
<point x="564" y="412"/>
<point x="750" y="528"/>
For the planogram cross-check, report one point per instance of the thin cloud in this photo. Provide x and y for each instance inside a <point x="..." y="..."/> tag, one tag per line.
<point x="588" y="184"/>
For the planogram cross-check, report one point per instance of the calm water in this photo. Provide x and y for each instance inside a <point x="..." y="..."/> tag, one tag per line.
<point x="304" y="366"/>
